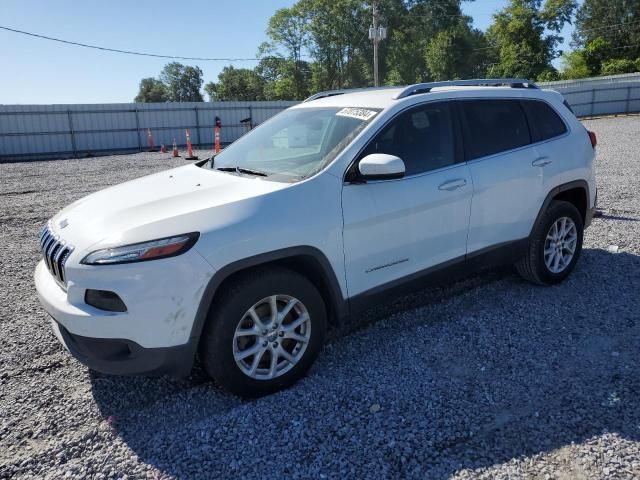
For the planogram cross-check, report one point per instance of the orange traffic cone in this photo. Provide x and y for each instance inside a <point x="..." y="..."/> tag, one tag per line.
<point x="152" y="147"/>
<point x="217" y="139"/>
<point x="175" y="149"/>
<point x="190" y="155"/>
<point x="163" y="149"/>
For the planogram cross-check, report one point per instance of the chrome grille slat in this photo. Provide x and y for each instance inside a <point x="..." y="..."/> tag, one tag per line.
<point x="43" y="233"/>
<point x="45" y="240"/>
<point x="49" y="251"/>
<point x="57" y="267"/>
<point x="63" y="259"/>
<point x="55" y="253"/>
<point x="52" y="258"/>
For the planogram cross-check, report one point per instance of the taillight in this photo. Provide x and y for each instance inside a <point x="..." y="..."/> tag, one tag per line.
<point x="592" y="137"/>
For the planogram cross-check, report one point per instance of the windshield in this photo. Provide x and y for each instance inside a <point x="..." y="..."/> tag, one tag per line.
<point x="294" y="144"/>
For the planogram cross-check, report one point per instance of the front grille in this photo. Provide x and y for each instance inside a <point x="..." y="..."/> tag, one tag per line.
<point x="55" y="253"/>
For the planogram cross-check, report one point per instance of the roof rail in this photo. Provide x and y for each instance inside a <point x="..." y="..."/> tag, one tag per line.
<point x="328" y="93"/>
<point x="482" y="82"/>
<point x="331" y="93"/>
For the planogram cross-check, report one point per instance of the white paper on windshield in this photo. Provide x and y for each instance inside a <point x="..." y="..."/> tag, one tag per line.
<point x="359" y="113"/>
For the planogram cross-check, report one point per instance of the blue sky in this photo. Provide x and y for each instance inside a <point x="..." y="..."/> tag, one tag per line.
<point x="40" y="71"/>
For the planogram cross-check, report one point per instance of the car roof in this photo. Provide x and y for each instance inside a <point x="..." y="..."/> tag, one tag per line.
<point x="385" y="97"/>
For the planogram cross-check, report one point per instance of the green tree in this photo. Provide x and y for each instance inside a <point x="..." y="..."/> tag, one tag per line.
<point x="616" y="66"/>
<point x="525" y="35"/>
<point x="152" y="90"/>
<point x="286" y="75"/>
<point x="574" y="65"/>
<point x="338" y="41"/>
<point x="586" y="62"/>
<point x="236" y="84"/>
<point x="614" y="20"/>
<point x="596" y="52"/>
<point x="284" y="79"/>
<point x="549" y="75"/>
<point x="289" y="28"/>
<point x="413" y="26"/>
<point x="459" y="52"/>
<point x="182" y="82"/>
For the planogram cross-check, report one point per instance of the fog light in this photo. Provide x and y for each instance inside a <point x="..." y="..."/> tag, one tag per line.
<point x="104" y="300"/>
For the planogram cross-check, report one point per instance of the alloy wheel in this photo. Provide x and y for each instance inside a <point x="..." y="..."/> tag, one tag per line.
<point x="560" y="244"/>
<point x="271" y="337"/>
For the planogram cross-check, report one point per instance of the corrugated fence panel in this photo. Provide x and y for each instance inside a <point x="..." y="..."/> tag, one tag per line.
<point x="601" y="95"/>
<point x="59" y="131"/>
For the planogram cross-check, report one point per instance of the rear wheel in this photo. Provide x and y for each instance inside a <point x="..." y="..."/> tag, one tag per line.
<point x="265" y="332"/>
<point x="554" y="246"/>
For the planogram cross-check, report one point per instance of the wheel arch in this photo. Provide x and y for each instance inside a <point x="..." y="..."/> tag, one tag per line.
<point x="306" y="260"/>
<point x="575" y="192"/>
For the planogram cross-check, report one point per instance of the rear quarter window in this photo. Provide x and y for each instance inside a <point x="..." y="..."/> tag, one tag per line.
<point x="493" y="126"/>
<point x="545" y="122"/>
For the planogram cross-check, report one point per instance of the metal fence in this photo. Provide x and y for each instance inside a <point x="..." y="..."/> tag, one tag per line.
<point x="60" y="131"/>
<point x="610" y="95"/>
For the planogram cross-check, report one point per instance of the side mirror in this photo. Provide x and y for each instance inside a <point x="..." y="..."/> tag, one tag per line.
<point x="380" y="166"/>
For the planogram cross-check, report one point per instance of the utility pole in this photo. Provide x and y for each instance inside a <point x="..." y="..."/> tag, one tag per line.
<point x="377" y="33"/>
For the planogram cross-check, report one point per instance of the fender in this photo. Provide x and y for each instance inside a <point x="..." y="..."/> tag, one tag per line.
<point x="338" y="303"/>
<point x="563" y="188"/>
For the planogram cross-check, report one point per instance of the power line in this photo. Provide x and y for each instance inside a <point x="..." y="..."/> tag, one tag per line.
<point x="626" y="46"/>
<point x="129" y="52"/>
<point x="626" y="24"/>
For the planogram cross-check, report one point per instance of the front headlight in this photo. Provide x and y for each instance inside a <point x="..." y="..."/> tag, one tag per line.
<point x="141" y="252"/>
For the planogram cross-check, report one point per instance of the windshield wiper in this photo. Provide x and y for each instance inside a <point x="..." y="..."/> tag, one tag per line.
<point x="243" y="170"/>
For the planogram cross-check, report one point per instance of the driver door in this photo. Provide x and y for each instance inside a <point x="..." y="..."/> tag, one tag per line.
<point x="396" y="228"/>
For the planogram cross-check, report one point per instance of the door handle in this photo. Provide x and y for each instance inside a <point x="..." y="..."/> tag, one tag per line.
<point x="452" y="184"/>
<point x="541" y="162"/>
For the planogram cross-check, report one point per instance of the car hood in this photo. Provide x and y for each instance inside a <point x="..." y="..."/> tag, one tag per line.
<point x="163" y="204"/>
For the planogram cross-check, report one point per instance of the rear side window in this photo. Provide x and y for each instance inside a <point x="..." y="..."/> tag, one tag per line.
<point x="493" y="126"/>
<point x="545" y="122"/>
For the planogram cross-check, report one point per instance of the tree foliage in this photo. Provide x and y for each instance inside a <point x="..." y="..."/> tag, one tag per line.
<point x="183" y="82"/>
<point x="236" y="84"/>
<point x="616" y="21"/>
<point x="177" y="83"/>
<point x="323" y="44"/>
<point x="525" y="35"/>
<point x="616" y="66"/>
<point x="574" y="65"/>
<point x="152" y="90"/>
<point x="457" y="53"/>
<point x="607" y="36"/>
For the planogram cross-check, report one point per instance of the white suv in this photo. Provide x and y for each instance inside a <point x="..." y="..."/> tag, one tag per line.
<point x="318" y="213"/>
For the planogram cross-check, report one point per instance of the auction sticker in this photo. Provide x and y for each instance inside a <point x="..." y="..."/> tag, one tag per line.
<point x="359" y="113"/>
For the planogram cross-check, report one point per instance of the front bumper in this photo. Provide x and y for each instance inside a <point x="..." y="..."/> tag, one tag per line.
<point x="156" y="333"/>
<point x="124" y="357"/>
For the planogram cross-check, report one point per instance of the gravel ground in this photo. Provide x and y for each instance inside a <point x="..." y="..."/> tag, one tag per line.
<point x="486" y="378"/>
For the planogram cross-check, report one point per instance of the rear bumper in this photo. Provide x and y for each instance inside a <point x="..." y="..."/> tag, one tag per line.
<point x="125" y="357"/>
<point x="589" y="216"/>
<point x="591" y="212"/>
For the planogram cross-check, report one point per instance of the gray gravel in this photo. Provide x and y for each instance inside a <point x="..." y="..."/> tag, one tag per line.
<point x="486" y="378"/>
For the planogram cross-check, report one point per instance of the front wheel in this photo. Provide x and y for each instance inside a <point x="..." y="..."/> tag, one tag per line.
<point x="554" y="246"/>
<point x="265" y="332"/>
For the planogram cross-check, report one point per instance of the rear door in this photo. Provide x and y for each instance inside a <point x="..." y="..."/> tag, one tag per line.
<point x="554" y="147"/>
<point x="395" y="228"/>
<point x="507" y="181"/>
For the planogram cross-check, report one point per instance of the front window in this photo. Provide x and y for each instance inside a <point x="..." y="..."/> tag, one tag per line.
<point x="294" y="144"/>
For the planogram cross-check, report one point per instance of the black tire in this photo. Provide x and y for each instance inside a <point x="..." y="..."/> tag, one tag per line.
<point x="532" y="266"/>
<point x="217" y="342"/>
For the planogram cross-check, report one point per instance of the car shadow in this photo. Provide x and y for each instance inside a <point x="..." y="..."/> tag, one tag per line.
<point x="465" y="380"/>
<point x="606" y="216"/>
